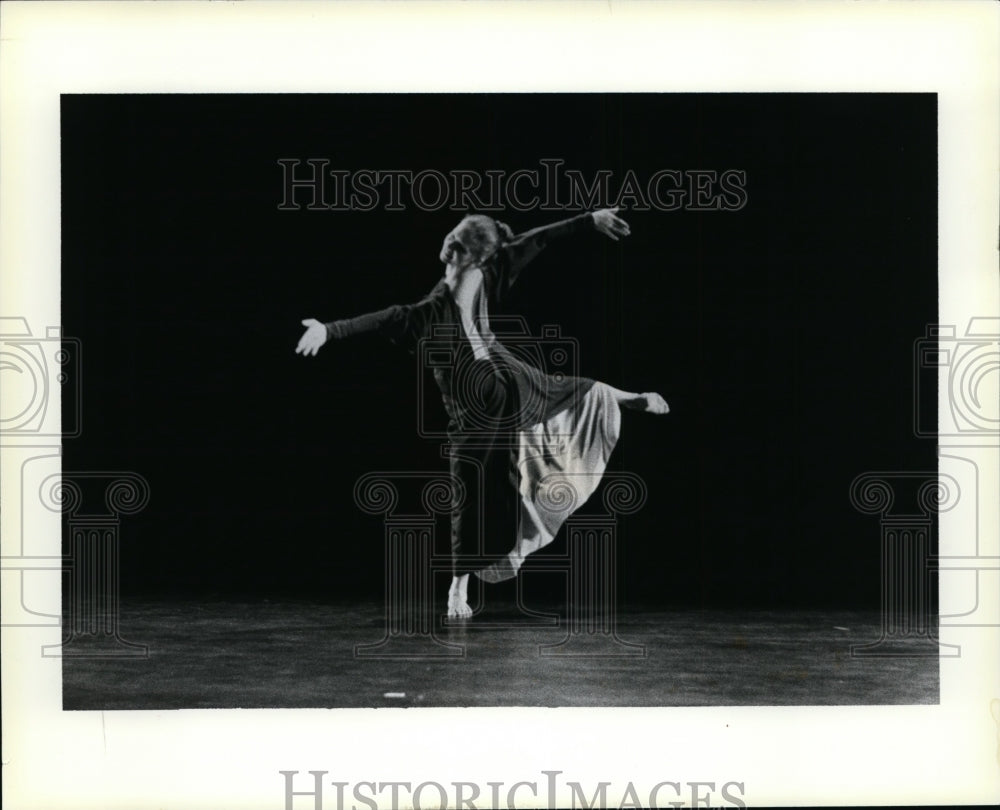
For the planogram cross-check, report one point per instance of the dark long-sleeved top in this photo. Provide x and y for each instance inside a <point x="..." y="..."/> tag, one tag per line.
<point x="434" y="326"/>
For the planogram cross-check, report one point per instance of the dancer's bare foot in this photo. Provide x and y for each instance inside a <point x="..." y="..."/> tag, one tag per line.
<point x="655" y="403"/>
<point x="458" y="598"/>
<point x="649" y="402"/>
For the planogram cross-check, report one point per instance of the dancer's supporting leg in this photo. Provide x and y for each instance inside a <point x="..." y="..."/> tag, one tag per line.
<point x="469" y="453"/>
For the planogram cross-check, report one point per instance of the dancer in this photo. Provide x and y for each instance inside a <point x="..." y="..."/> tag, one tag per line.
<point x="562" y="429"/>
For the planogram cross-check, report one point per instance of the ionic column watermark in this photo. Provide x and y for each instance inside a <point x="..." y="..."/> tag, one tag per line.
<point x="908" y="614"/>
<point x="591" y="568"/>
<point x="92" y="561"/>
<point x="409" y="545"/>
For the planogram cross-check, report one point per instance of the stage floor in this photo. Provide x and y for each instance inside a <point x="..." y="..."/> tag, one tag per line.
<point x="307" y="655"/>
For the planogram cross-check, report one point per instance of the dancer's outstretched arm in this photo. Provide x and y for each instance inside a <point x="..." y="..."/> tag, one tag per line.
<point x="400" y="323"/>
<point x="522" y="248"/>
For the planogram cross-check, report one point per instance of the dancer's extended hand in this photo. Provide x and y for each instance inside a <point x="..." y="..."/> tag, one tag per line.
<point x="607" y="222"/>
<point x="313" y="339"/>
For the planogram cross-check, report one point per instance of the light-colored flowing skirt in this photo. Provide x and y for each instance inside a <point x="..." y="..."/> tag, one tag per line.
<point x="560" y="463"/>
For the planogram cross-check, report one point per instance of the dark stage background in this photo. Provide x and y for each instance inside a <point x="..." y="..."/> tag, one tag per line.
<point x="781" y="334"/>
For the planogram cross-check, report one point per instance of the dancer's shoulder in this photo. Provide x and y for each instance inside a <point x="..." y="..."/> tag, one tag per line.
<point x="437" y="292"/>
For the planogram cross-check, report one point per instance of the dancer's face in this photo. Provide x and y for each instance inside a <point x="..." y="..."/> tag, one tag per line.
<point x="466" y="245"/>
<point x="457" y="250"/>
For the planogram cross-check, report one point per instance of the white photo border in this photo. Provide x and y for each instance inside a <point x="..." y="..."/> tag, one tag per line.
<point x="231" y="759"/>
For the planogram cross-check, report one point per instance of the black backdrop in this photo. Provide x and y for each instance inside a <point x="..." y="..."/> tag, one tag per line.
<point x="781" y="334"/>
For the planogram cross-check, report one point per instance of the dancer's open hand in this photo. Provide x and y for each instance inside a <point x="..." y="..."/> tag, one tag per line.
<point x="313" y="339"/>
<point x="611" y="225"/>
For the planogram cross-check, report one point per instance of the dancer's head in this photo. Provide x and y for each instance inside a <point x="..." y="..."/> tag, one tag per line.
<point x="474" y="241"/>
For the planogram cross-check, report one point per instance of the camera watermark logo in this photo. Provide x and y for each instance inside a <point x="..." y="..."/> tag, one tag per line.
<point x="41" y="407"/>
<point x="957" y="378"/>
<point x="470" y="383"/>
<point x="39" y="372"/>
<point x="32" y="368"/>
<point x="956" y="402"/>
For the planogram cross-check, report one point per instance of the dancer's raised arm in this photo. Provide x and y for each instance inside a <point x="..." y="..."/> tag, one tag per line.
<point x="523" y="247"/>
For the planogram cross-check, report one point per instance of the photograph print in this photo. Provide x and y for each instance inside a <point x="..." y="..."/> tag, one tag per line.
<point x="426" y="400"/>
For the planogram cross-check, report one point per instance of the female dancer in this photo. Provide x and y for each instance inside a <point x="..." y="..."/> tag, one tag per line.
<point x="562" y="429"/>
